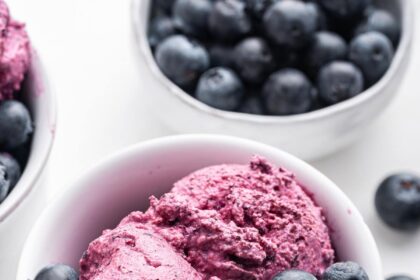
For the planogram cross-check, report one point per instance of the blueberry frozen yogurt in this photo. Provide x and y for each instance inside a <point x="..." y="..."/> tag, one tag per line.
<point x="224" y="222"/>
<point x="272" y="57"/>
<point x="15" y="120"/>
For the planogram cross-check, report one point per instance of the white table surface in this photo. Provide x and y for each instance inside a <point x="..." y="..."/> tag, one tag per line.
<point x="87" y="48"/>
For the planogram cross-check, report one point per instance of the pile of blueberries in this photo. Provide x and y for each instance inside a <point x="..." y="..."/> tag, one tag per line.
<point x="272" y="57"/>
<point x="338" y="271"/>
<point x="16" y="128"/>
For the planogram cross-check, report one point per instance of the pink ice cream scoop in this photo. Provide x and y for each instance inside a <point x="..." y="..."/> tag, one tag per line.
<point x="226" y="222"/>
<point x="15" y="53"/>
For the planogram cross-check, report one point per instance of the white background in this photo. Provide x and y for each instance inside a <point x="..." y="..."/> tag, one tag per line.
<point x="87" y="48"/>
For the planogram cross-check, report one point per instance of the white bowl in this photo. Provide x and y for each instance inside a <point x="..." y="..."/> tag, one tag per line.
<point x="123" y="183"/>
<point x="309" y="136"/>
<point x="21" y="208"/>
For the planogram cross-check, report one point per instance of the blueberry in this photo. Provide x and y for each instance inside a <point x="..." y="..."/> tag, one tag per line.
<point x="57" y="272"/>
<point x="397" y="201"/>
<point x="191" y="16"/>
<point x="383" y="22"/>
<point x="221" y="55"/>
<point x="345" y="271"/>
<point x="345" y="9"/>
<point x="4" y="183"/>
<point x="257" y="8"/>
<point x="339" y="81"/>
<point x="15" y="124"/>
<point x="229" y="20"/>
<point x="288" y="92"/>
<point x="294" y="275"/>
<point x="160" y="28"/>
<point x="12" y="168"/>
<point x="253" y="60"/>
<point x="220" y="88"/>
<point x="324" y="48"/>
<point x="181" y="60"/>
<point x="400" y="278"/>
<point x="373" y="53"/>
<point x="290" y="23"/>
<point x="252" y="105"/>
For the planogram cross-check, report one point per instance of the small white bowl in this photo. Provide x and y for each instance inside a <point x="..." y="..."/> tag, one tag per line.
<point x="309" y="136"/>
<point x="21" y="208"/>
<point x="123" y="183"/>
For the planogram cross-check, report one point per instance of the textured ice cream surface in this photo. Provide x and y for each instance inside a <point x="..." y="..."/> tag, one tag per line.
<point x="15" y="53"/>
<point x="231" y="222"/>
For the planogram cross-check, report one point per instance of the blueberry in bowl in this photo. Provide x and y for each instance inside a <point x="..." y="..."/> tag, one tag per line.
<point x="258" y="38"/>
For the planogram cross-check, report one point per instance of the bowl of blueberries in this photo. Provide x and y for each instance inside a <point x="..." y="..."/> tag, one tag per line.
<point x="27" y="129"/>
<point x="277" y="71"/>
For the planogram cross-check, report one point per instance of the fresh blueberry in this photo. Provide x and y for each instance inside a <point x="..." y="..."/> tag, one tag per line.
<point x="252" y="105"/>
<point x="345" y="271"/>
<point x="338" y="81"/>
<point x="4" y="183"/>
<point x="383" y="22"/>
<point x="253" y="60"/>
<point x="324" y="48"/>
<point x="182" y="60"/>
<point x="400" y="277"/>
<point x="57" y="272"/>
<point x="288" y="92"/>
<point x="397" y="201"/>
<point x="290" y="23"/>
<point x="345" y="9"/>
<point x="229" y="20"/>
<point x="220" y="88"/>
<point x="257" y="8"/>
<point x="159" y="29"/>
<point x="373" y="53"/>
<point x="12" y="168"/>
<point x="221" y="55"/>
<point x="294" y="275"/>
<point x="15" y="124"/>
<point x="191" y="16"/>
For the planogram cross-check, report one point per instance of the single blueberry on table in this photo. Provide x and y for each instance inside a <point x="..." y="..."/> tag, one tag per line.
<point x="253" y="60"/>
<point x="12" y="168"/>
<point x="294" y="275"/>
<point x="288" y="92"/>
<point x="252" y="105"/>
<point x="345" y="271"/>
<point x="221" y="55"/>
<point x="4" y="183"/>
<point x="57" y="272"/>
<point x="220" y="88"/>
<point x="345" y="9"/>
<point x="383" y="22"/>
<point x="400" y="277"/>
<point x="325" y="47"/>
<point x="160" y="28"/>
<point x="397" y="201"/>
<point x="229" y="21"/>
<point x="290" y="23"/>
<point x="372" y="52"/>
<point x="182" y="60"/>
<point x="15" y="124"/>
<point x="191" y="16"/>
<point x="339" y="81"/>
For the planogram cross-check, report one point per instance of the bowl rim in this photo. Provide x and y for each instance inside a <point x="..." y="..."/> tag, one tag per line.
<point x="140" y="18"/>
<point x="79" y="186"/>
<point x="35" y="166"/>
